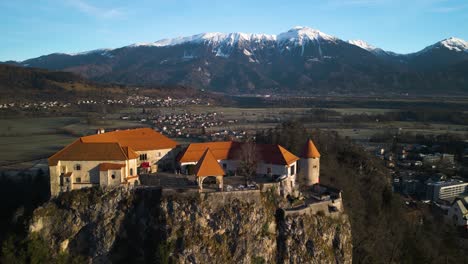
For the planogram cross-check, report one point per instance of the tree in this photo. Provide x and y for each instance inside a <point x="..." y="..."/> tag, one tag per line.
<point x="248" y="160"/>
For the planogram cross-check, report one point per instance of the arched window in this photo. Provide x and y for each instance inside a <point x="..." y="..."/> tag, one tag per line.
<point x="113" y="176"/>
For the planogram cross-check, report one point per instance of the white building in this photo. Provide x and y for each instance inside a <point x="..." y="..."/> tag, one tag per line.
<point x="271" y="160"/>
<point x="445" y="190"/>
<point x="108" y="159"/>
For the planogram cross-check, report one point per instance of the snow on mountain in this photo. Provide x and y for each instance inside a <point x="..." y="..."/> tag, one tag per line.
<point x="373" y="49"/>
<point x="452" y="43"/>
<point x="103" y="52"/>
<point x="213" y="38"/>
<point x="298" y="35"/>
<point x="455" y="44"/>
<point x="362" y="44"/>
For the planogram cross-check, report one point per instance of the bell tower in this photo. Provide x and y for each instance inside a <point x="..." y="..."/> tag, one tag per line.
<point x="310" y="164"/>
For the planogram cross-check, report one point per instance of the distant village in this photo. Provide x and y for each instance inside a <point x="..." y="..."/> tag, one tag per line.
<point x="131" y="100"/>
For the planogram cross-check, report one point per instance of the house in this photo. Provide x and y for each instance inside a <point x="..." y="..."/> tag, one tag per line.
<point x="270" y="160"/>
<point x="109" y="159"/>
<point x="458" y="212"/>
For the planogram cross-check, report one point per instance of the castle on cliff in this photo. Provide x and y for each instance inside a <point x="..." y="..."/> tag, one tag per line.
<point x="121" y="158"/>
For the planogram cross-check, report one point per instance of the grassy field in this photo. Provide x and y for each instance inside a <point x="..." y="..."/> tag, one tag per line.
<point x="35" y="138"/>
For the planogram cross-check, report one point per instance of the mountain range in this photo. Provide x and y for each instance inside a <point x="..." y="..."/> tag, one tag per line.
<point x="301" y="61"/>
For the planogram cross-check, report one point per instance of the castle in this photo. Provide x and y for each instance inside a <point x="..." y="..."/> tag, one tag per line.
<point x="119" y="157"/>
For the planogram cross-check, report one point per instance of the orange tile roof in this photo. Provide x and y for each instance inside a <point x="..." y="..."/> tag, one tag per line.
<point x="110" y="166"/>
<point x="194" y="151"/>
<point x="130" y="153"/>
<point x="310" y="151"/>
<point x="138" y="139"/>
<point x="117" y="145"/>
<point x="208" y="165"/>
<point x="80" y="151"/>
<point x="223" y="150"/>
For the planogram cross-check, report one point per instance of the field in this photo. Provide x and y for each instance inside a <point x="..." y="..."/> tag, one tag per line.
<point x="29" y="139"/>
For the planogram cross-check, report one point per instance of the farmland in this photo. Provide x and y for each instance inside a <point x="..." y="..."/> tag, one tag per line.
<point x="33" y="138"/>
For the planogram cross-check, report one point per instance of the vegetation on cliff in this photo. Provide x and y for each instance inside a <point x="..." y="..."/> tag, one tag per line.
<point x="384" y="230"/>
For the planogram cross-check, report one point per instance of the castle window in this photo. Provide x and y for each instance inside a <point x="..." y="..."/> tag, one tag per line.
<point x="78" y="180"/>
<point x="293" y="170"/>
<point x="67" y="180"/>
<point x="268" y="170"/>
<point x="113" y="176"/>
<point x="224" y="166"/>
<point x="77" y="167"/>
<point x="143" y="156"/>
<point x="131" y="172"/>
<point x="159" y="154"/>
<point x="315" y="166"/>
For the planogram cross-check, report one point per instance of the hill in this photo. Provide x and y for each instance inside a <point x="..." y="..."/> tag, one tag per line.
<point x="31" y="83"/>
<point x="22" y="83"/>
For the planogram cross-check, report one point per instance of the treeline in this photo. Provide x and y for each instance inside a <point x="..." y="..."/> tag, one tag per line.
<point x="20" y="195"/>
<point x="383" y="229"/>
<point x="426" y="115"/>
<point x="423" y="115"/>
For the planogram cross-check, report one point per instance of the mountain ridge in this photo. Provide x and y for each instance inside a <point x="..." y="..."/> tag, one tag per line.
<point x="301" y="61"/>
<point x="207" y="36"/>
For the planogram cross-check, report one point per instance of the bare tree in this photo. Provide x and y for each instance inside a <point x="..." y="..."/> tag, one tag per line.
<point x="248" y="160"/>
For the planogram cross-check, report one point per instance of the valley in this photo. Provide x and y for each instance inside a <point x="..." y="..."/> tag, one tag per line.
<point x="32" y="137"/>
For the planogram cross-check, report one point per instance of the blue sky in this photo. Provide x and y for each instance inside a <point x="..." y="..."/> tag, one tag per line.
<point x="30" y="28"/>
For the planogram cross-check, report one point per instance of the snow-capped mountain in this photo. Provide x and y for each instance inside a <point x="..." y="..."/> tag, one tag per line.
<point x="441" y="54"/>
<point x="375" y="50"/>
<point x="362" y="44"/>
<point x="452" y="43"/>
<point x="301" y="60"/>
<point x="298" y="35"/>
<point x="211" y="38"/>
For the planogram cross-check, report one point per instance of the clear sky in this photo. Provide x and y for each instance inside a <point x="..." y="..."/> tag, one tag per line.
<point x="30" y="28"/>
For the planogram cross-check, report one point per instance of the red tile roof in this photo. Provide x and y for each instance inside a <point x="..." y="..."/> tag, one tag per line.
<point x="79" y="151"/>
<point x="310" y="151"/>
<point x="117" y="145"/>
<point x="223" y="150"/>
<point x="208" y="165"/>
<point x="138" y="139"/>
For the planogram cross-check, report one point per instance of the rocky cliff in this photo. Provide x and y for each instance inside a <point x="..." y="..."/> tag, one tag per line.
<point x="150" y="226"/>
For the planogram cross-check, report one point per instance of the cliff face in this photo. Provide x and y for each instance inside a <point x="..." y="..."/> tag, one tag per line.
<point x="146" y="225"/>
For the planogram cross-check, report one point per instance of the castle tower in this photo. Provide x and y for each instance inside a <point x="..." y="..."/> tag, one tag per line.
<point x="310" y="164"/>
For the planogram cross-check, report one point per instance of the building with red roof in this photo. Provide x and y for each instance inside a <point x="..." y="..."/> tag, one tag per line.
<point x="108" y="159"/>
<point x="270" y="159"/>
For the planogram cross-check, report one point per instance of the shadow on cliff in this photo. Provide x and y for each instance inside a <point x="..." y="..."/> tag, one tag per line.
<point x="141" y="236"/>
